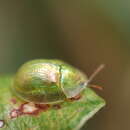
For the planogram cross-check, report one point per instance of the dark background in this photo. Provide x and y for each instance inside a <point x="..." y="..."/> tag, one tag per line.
<point x="83" y="33"/>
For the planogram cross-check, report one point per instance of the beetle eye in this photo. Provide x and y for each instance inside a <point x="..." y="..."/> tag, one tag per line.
<point x="83" y="84"/>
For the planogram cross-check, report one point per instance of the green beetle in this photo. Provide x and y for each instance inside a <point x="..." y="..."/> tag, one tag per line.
<point x="48" y="81"/>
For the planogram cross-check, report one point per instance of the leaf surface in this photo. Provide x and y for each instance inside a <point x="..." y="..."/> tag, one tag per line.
<point x="71" y="116"/>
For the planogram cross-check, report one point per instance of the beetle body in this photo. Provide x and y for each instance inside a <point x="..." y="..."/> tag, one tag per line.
<point x="48" y="81"/>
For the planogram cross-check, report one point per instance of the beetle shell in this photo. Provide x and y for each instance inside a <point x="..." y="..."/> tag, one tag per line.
<point x="48" y="81"/>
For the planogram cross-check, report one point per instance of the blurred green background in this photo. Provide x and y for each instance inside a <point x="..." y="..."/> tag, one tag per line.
<point x="83" y="33"/>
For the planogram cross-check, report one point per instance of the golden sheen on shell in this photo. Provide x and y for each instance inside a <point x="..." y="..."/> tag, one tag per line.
<point x="48" y="81"/>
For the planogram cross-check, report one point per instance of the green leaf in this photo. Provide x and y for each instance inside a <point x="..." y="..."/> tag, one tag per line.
<point x="71" y="116"/>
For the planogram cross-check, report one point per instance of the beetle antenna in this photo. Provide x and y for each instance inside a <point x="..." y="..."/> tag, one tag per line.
<point x="96" y="87"/>
<point x="95" y="73"/>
